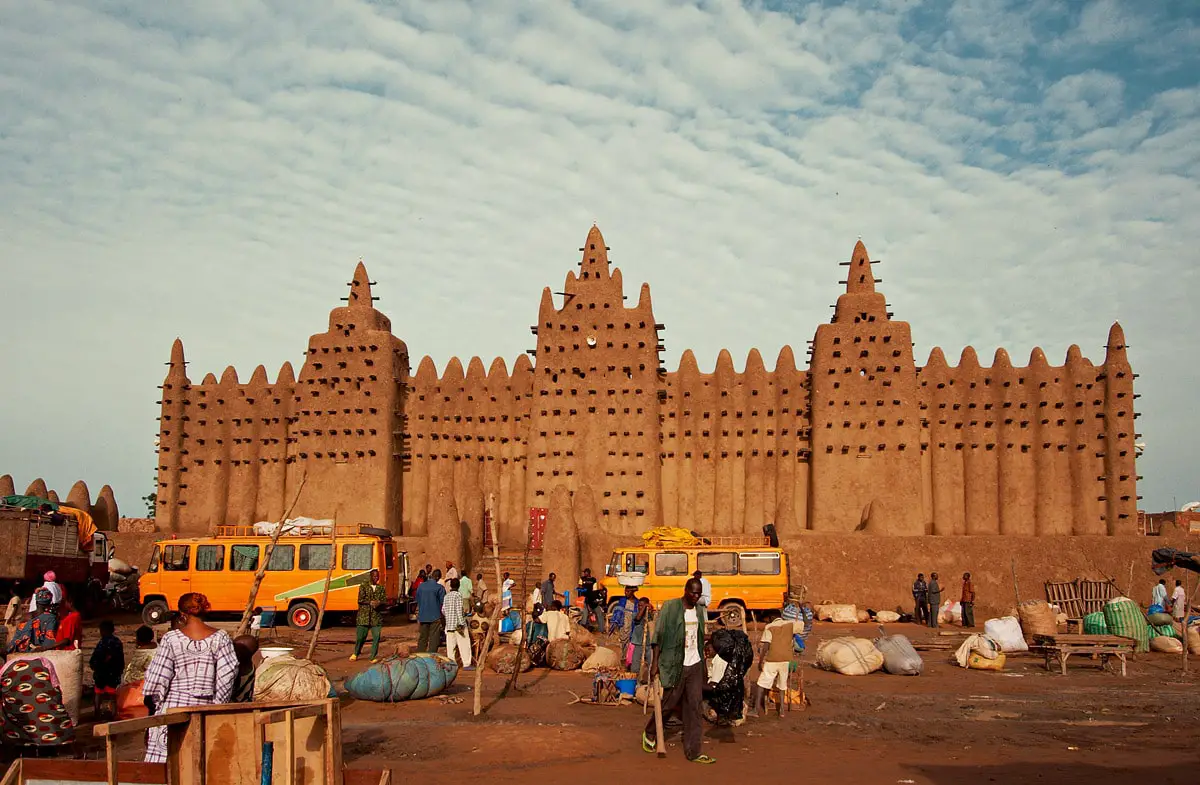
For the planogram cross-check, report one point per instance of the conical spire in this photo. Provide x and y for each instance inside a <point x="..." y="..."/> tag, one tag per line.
<point x="595" y="256"/>
<point x="360" y="287"/>
<point x="178" y="367"/>
<point x="1115" y="350"/>
<point x="861" y="280"/>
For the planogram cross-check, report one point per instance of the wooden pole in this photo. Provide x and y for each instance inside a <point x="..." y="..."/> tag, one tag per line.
<point x="262" y="567"/>
<point x="1016" y="591"/>
<point x="498" y="604"/>
<point x="312" y="645"/>
<point x="1186" y="612"/>
<point x="524" y="647"/>
<point x="647" y="633"/>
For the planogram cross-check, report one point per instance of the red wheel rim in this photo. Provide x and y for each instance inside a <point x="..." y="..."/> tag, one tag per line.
<point x="302" y="617"/>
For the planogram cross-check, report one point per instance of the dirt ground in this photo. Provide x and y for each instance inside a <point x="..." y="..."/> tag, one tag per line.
<point x="1022" y="725"/>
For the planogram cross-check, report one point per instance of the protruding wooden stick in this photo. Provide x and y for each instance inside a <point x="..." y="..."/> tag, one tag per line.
<point x="312" y="645"/>
<point x="266" y="559"/>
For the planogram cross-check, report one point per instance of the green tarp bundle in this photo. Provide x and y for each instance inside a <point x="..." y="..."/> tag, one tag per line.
<point x="28" y="502"/>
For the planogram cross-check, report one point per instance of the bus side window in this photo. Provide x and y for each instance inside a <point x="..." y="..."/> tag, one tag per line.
<point x="243" y="558"/>
<point x="670" y="564"/>
<point x="210" y="558"/>
<point x="315" y="556"/>
<point x="175" y="558"/>
<point x="283" y="558"/>
<point x="357" y="557"/>
<point x="638" y="562"/>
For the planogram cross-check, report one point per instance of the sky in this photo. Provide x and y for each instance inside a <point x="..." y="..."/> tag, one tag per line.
<point x="1027" y="171"/>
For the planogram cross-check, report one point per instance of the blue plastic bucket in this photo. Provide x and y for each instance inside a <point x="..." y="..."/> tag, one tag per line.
<point x="627" y="686"/>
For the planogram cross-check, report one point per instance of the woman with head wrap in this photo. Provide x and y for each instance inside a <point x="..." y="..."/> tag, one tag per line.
<point x="726" y="696"/>
<point x="50" y="585"/>
<point x="37" y="634"/>
<point x="194" y="665"/>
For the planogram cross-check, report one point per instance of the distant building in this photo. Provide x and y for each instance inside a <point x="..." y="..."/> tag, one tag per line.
<point x="862" y="439"/>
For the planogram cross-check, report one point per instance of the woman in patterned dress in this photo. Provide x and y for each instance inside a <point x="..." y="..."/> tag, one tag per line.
<point x="32" y="710"/>
<point x="194" y="665"/>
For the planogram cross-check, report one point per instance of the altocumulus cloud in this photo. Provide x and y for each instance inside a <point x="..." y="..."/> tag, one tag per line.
<point x="1028" y="172"/>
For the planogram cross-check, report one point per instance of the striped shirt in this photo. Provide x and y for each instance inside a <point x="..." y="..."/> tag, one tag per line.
<point x="452" y="611"/>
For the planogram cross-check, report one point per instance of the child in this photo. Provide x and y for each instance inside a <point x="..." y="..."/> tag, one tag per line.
<point x="107" y="663"/>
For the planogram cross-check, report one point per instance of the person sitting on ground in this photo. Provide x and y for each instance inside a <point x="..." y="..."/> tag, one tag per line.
<point x="138" y="660"/>
<point x="774" y="663"/>
<point x="245" y="647"/>
<point x="558" y="624"/>
<point x="732" y="655"/>
<point x="537" y="635"/>
<point x="69" y="635"/>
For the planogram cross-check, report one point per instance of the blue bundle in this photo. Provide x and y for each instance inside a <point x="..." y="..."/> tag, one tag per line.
<point x="395" y="679"/>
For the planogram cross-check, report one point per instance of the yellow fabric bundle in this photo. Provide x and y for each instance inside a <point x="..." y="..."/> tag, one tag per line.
<point x="669" y="537"/>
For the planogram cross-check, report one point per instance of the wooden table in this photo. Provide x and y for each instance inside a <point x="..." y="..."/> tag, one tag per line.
<point x="1060" y="648"/>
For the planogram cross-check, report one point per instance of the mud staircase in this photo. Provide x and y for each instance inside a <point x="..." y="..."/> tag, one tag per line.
<point x="525" y="569"/>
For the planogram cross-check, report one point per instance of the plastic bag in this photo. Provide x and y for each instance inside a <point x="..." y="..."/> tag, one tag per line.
<point x="1006" y="631"/>
<point x="899" y="656"/>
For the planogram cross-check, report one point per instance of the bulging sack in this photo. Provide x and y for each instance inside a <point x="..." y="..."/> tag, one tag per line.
<point x="887" y="617"/>
<point x="602" y="657"/>
<point x="1006" y="631"/>
<point x="394" y="679"/>
<point x="287" y="678"/>
<point x="1123" y="617"/>
<point x="566" y="655"/>
<point x="899" y="656"/>
<point x="503" y="659"/>
<point x="68" y="669"/>
<point x="837" y="613"/>
<point x="1159" y="619"/>
<point x="982" y="645"/>
<point x="1093" y="624"/>
<point x="1168" y="645"/>
<point x="849" y="656"/>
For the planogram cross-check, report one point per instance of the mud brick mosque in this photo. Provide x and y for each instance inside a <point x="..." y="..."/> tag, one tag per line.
<point x="592" y="434"/>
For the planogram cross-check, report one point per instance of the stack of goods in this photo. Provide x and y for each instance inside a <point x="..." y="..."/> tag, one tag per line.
<point x="979" y="652"/>
<point x="837" y="613"/>
<point x="286" y="678"/>
<point x="503" y="659"/>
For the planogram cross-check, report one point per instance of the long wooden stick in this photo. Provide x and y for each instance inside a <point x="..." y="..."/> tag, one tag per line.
<point x="262" y="567"/>
<point x="493" y="630"/>
<point x="660" y="744"/>
<point x="523" y="649"/>
<point x="1186" y="613"/>
<point x="1016" y="591"/>
<point x="312" y="645"/>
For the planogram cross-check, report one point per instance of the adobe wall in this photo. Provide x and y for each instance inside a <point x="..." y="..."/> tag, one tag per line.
<point x="103" y="510"/>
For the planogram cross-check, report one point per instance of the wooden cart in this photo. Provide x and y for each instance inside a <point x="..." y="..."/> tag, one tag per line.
<point x="1059" y="648"/>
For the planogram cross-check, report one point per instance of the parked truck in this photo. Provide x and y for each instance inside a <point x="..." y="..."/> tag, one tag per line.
<point x="35" y="541"/>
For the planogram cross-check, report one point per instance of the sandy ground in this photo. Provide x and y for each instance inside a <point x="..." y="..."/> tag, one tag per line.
<point x="1023" y="725"/>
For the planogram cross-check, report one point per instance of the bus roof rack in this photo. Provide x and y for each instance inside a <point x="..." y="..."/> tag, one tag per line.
<point x="343" y="530"/>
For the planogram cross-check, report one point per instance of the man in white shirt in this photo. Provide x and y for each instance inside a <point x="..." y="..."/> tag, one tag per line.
<point x="705" y="590"/>
<point x="1158" y="595"/>
<point x="678" y="660"/>
<point x="1179" y="601"/>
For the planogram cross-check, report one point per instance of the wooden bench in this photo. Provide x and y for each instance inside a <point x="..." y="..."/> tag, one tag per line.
<point x="1060" y="648"/>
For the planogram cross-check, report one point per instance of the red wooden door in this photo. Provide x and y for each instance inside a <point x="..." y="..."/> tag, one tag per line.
<point x="537" y="527"/>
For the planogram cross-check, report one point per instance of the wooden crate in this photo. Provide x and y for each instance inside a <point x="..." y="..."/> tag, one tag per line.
<point x="223" y="745"/>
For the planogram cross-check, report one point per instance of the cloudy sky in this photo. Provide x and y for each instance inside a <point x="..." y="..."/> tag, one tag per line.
<point x="1028" y="171"/>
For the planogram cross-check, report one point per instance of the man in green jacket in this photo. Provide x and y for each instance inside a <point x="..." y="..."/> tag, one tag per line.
<point x="678" y="659"/>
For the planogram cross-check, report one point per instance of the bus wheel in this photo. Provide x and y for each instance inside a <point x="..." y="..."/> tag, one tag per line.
<point x="302" y="616"/>
<point x="732" y="615"/>
<point x="156" y="612"/>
